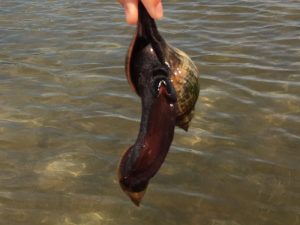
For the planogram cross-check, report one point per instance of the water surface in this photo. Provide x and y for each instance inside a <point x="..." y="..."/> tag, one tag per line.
<point x="67" y="115"/>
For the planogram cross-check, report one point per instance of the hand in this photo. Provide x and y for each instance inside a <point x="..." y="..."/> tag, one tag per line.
<point x="154" y="7"/>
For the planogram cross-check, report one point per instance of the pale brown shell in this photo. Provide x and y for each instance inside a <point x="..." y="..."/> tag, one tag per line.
<point x="186" y="81"/>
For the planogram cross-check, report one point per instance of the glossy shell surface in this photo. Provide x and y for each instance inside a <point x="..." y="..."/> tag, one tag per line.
<point x="186" y="81"/>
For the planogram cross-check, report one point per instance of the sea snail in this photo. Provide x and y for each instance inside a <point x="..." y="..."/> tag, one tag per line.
<point x="168" y="84"/>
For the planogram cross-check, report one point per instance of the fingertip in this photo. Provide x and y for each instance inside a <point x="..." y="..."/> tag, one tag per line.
<point x="131" y="20"/>
<point x="159" y="11"/>
<point x="131" y="13"/>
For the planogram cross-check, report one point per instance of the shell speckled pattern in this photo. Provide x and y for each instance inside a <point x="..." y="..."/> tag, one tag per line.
<point x="186" y="81"/>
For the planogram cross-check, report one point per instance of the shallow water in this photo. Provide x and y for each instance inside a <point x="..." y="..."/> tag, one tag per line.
<point x="67" y="115"/>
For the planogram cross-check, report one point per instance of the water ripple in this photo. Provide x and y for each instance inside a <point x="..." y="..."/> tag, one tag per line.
<point x="68" y="113"/>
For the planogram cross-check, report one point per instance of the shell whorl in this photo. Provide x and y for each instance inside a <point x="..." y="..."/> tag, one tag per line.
<point x="186" y="81"/>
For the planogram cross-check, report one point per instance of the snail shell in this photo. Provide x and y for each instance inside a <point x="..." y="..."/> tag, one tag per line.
<point x="186" y="81"/>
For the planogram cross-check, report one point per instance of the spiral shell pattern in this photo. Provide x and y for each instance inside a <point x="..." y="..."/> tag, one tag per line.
<point x="186" y="81"/>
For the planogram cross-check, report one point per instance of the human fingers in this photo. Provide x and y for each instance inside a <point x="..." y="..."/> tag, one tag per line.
<point x="131" y="10"/>
<point x="154" y="8"/>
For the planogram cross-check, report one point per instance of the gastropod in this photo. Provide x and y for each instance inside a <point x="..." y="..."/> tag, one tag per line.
<point x="168" y="84"/>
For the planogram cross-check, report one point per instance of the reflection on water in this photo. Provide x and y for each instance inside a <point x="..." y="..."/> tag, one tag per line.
<point x="67" y="114"/>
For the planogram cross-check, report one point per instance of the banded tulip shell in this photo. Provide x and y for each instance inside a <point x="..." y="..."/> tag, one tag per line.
<point x="168" y="83"/>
